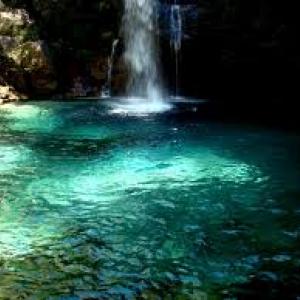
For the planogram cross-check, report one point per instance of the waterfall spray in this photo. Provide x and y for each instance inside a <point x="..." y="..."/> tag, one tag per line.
<point x="141" y="49"/>
<point x="140" y="32"/>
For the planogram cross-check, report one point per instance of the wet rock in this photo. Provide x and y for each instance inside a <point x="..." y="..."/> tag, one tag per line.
<point x="8" y="43"/>
<point x="37" y="37"/>
<point x="13" y="23"/>
<point x="9" y="94"/>
<point x="79" y="89"/>
<point x="98" y="68"/>
<point x="32" y="57"/>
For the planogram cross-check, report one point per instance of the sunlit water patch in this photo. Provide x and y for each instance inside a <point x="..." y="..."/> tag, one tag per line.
<point x="11" y="156"/>
<point x="102" y="206"/>
<point x="30" y="118"/>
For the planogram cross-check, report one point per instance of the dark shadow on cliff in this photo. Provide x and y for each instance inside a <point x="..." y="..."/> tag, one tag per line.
<point x="244" y="56"/>
<point x="12" y="74"/>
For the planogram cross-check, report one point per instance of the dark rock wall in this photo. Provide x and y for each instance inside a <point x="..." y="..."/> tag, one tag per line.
<point x="233" y="49"/>
<point x="57" y="44"/>
<point x="241" y="49"/>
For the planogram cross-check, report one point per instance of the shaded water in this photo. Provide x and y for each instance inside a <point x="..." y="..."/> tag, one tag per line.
<point x="95" y="205"/>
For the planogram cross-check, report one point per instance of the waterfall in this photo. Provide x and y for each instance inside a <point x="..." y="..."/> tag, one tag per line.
<point x="176" y="38"/>
<point x="106" y="91"/>
<point x="141" y="49"/>
<point x="140" y="32"/>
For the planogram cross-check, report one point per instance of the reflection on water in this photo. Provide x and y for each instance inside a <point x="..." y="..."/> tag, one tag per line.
<point x="101" y="206"/>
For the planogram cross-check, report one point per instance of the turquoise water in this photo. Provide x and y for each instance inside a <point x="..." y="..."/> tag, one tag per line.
<point x="99" y="205"/>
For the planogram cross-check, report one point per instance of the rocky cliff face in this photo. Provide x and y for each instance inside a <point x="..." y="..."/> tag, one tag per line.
<point x="50" y="48"/>
<point x="47" y="47"/>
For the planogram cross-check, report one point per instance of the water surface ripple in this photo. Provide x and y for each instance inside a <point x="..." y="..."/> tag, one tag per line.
<point x="100" y="206"/>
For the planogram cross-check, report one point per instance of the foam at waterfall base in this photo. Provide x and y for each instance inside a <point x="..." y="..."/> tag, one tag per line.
<point x="135" y="106"/>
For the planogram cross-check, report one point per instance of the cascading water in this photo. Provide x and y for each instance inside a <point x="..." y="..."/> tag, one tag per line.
<point x="141" y="49"/>
<point x="140" y="26"/>
<point x="106" y="92"/>
<point x="176" y="38"/>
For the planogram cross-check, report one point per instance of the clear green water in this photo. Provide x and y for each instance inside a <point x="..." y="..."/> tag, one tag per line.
<point x="101" y="206"/>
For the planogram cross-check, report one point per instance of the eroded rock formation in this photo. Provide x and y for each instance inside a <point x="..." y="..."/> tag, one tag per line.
<point x="45" y="46"/>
